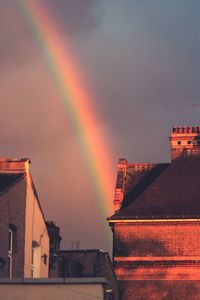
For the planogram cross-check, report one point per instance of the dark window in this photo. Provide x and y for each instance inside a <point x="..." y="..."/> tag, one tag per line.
<point x="189" y="142"/>
<point x="45" y="259"/>
<point x="179" y="142"/>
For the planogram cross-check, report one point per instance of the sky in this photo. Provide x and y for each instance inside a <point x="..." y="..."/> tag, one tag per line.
<point x="140" y="61"/>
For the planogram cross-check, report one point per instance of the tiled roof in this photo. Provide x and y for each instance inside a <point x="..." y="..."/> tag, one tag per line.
<point x="7" y="179"/>
<point x="134" y="173"/>
<point x="167" y="190"/>
<point x="143" y="183"/>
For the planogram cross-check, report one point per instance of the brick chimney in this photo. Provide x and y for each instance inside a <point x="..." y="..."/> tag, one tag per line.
<point x="184" y="139"/>
<point x="119" y="189"/>
<point x="14" y="165"/>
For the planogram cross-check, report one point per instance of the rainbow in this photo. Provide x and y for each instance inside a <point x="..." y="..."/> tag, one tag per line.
<point x="76" y="99"/>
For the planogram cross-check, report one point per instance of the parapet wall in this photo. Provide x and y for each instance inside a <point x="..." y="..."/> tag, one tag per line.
<point x="184" y="129"/>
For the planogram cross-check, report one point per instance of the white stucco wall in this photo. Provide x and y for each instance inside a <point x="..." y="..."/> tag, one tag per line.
<point x="51" y="291"/>
<point x="35" y="230"/>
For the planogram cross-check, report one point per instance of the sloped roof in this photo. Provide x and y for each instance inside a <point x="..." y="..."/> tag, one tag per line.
<point x="134" y="173"/>
<point x="166" y="191"/>
<point x="7" y="179"/>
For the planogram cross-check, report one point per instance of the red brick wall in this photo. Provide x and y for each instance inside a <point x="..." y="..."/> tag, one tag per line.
<point x="158" y="252"/>
<point x="12" y="211"/>
<point x="160" y="290"/>
<point x="157" y="239"/>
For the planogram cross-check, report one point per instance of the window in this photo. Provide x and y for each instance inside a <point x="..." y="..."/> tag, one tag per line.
<point x="45" y="259"/>
<point x="189" y="142"/>
<point x="179" y="142"/>
<point x="12" y="247"/>
<point x="36" y="260"/>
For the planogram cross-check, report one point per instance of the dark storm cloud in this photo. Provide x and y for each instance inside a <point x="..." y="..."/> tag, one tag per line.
<point x="17" y="43"/>
<point x="141" y="60"/>
<point x="146" y="70"/>
<point x="77" y="17"/>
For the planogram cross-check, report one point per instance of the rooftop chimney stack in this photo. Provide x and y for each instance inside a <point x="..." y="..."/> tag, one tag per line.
<point x="184" y="139"/>
<point x="14" y="165"/>
<point x="119" y="189"/>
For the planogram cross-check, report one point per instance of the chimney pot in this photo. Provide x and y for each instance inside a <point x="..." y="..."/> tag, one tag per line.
<point x="179" y="129"/>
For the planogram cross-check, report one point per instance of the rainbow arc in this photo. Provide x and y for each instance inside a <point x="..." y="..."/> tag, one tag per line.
<point x="76" y="99"/>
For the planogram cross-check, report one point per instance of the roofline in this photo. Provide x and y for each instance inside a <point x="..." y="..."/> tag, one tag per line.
<point x="122" y="220"/>
<point x="88" y="280"/>
<point x="37" y="198"/>
<point x="7" y="159"/>
<point x="83" y="250"/>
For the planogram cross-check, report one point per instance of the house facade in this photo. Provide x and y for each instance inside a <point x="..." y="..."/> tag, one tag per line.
<point x="24" y="246"/>
<point x="156" y="224"/>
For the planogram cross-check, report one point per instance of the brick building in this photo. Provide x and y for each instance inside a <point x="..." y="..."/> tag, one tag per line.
<point x="24" y="240"/>
<point x="81" y="263"/>
<point x="156" y="224"/>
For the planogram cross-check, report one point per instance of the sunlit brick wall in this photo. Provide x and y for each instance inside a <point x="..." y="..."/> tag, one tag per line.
<point x="12" y="211"/>
<point x="157" y="239"/>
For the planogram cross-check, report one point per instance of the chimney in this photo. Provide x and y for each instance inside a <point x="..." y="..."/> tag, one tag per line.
<point x="184" y="139"/>
<point x="119" y="189"/>
<point x="54" y="236"/>
<point x="13" y="165"/>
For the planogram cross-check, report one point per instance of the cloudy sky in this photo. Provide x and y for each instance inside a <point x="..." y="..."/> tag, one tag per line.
<point x="141" y="62"/>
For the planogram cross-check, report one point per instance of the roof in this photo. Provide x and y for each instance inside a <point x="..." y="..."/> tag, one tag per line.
<point x="7" y="179"/>
<point x="165" y="191"/>
<point x="134" y="173"/>
<point x="9" y="176"/>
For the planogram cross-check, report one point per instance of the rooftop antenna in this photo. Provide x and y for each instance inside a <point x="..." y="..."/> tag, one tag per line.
<point x="72" y="245"/>
<point x="77" y="245"/>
